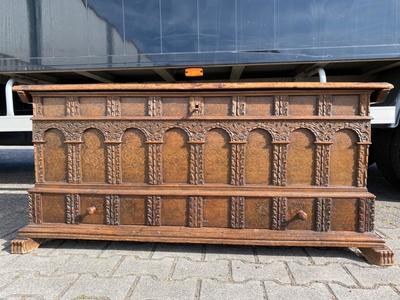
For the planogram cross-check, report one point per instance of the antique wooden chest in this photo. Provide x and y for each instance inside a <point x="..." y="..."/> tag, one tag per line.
<point x="227" y="163"/>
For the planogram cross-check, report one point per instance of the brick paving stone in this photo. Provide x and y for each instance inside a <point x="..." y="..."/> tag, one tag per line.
<point x="133" y="266"/>
<point x="93" y="287"/>
<point x="150" y="288"/>
<point x="382" y="292"/>
<point x="271" y="254"/>
<point x="322" y="256"/>
<point x="244" y="253"/>
<point x="83" y="264"/>
<point x="46" y="287"/>
<point x="249" y="271"/>
<point x="315" y="291"/>
<point x="46" y="265"/>
<point x="6" y="260"/>
<point x="201" y="269"/>
<point x="140" y="250"/>
<point x="329" y="273"/>
<point x="214" y="290"/>
<point x="78" y="247"/>
<point x="393" y="233"/>
<point x="370" y="276"/>
<point x="7" y="278"/>
<point x="193" y="252"/>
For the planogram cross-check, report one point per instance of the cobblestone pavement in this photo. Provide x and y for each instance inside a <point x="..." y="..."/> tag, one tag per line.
<point x="62" y="269"/>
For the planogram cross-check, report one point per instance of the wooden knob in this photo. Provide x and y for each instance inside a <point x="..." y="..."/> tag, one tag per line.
<point x="91" y="210"/>
<point x="302" y="215"/>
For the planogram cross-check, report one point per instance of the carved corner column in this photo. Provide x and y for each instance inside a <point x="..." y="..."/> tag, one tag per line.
<point x="153" y="210"/>
<point x="113" y="151"/>
<point x="74" y="161"/>
<point x="281" y="105"/>
<point x="72" y="106"/>
<point x="155" y="162"/>
<point x="238" y="106"/>
<point x="362" y="164"/>
<point x="112" y="210"/>
<point x="324" y="105"/>
<point x="237" y="162"/>
<point x="196" y="175"/>
<point x="279" y="163"/>
<point x="195" y="213"/>
<point x="323" y="214"/>
<point x="37" y="103"/>
<point x="72" y="208"/>
<point x="35" y="208"/>
<point x="113" y="106"/>
<point x="364" y="104"/>
<point x="237" y="212"/>
<point x="322" y="161"/>
<point x="366" y="214"/>
<point x="279" y="213"/>
<point x="39" y="160"/>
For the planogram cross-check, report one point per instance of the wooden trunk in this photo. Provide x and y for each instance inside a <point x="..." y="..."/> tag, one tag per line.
<point x="245" y="163"/>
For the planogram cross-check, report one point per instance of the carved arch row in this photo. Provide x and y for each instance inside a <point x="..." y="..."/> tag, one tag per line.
<point x="113" y="166"/>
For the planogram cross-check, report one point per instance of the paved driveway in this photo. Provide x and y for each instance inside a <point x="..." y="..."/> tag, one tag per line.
<point x="112" y="270"/>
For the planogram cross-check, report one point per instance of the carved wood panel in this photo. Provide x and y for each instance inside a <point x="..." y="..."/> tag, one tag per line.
<point x="215" y="156"/>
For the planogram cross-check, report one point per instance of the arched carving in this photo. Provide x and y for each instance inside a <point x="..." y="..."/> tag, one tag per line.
<point x="55" y="158"/>
<point x="217" y="152"/>
<point x="258" y="167"/>
<point x="93" y="156"/>
<point x="301" y="157"/>
<point x="343" y="161"/>
<point x="133" y="157"/>
<point x="175" y="156"/>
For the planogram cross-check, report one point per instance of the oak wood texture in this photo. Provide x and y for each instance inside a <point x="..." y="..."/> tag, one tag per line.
<point x="230" y="163"/>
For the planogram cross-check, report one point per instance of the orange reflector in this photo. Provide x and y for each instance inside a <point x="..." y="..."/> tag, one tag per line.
<point x="193" y="72"/>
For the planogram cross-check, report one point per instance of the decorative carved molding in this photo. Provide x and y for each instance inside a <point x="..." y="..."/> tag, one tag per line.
<point x="196" y="173"/>
<point x="362" y="164"/>
<point x="281" y="105"/>
<point x="72" y="106"/>
<point x="323" y="214"/>
<point x="366" y="214"/>
<point x="153" y="210"/>
<point x="113" y="163"/>
<point x="322" y="158"/>
<point x="74" y="162"/>
<point x="279" y="213"/>
<point x="154" y="106"/>
<point x="280" y="130"/>
<point x="196" y="106"/>
<point x="237" y="212"/>
<point x="72" y="208"/>
<point x="112" y="210"/>
<point x="238" y="105"/>
<point x="39" y="161"/>
<point x="155" y="163"/>
<point x="195" y="213"/>
<point x="325" y="105"/>
<point x="237" y="163"/>
<point x="279" y="162"/>
<point x="113" y="106"/>
<point x="37" y="106"/>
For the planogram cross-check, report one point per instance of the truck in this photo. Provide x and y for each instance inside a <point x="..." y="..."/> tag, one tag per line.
<point x="116" y="41"/>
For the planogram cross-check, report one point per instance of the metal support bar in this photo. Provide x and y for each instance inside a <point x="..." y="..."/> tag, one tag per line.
<point x="9" y="97"/>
